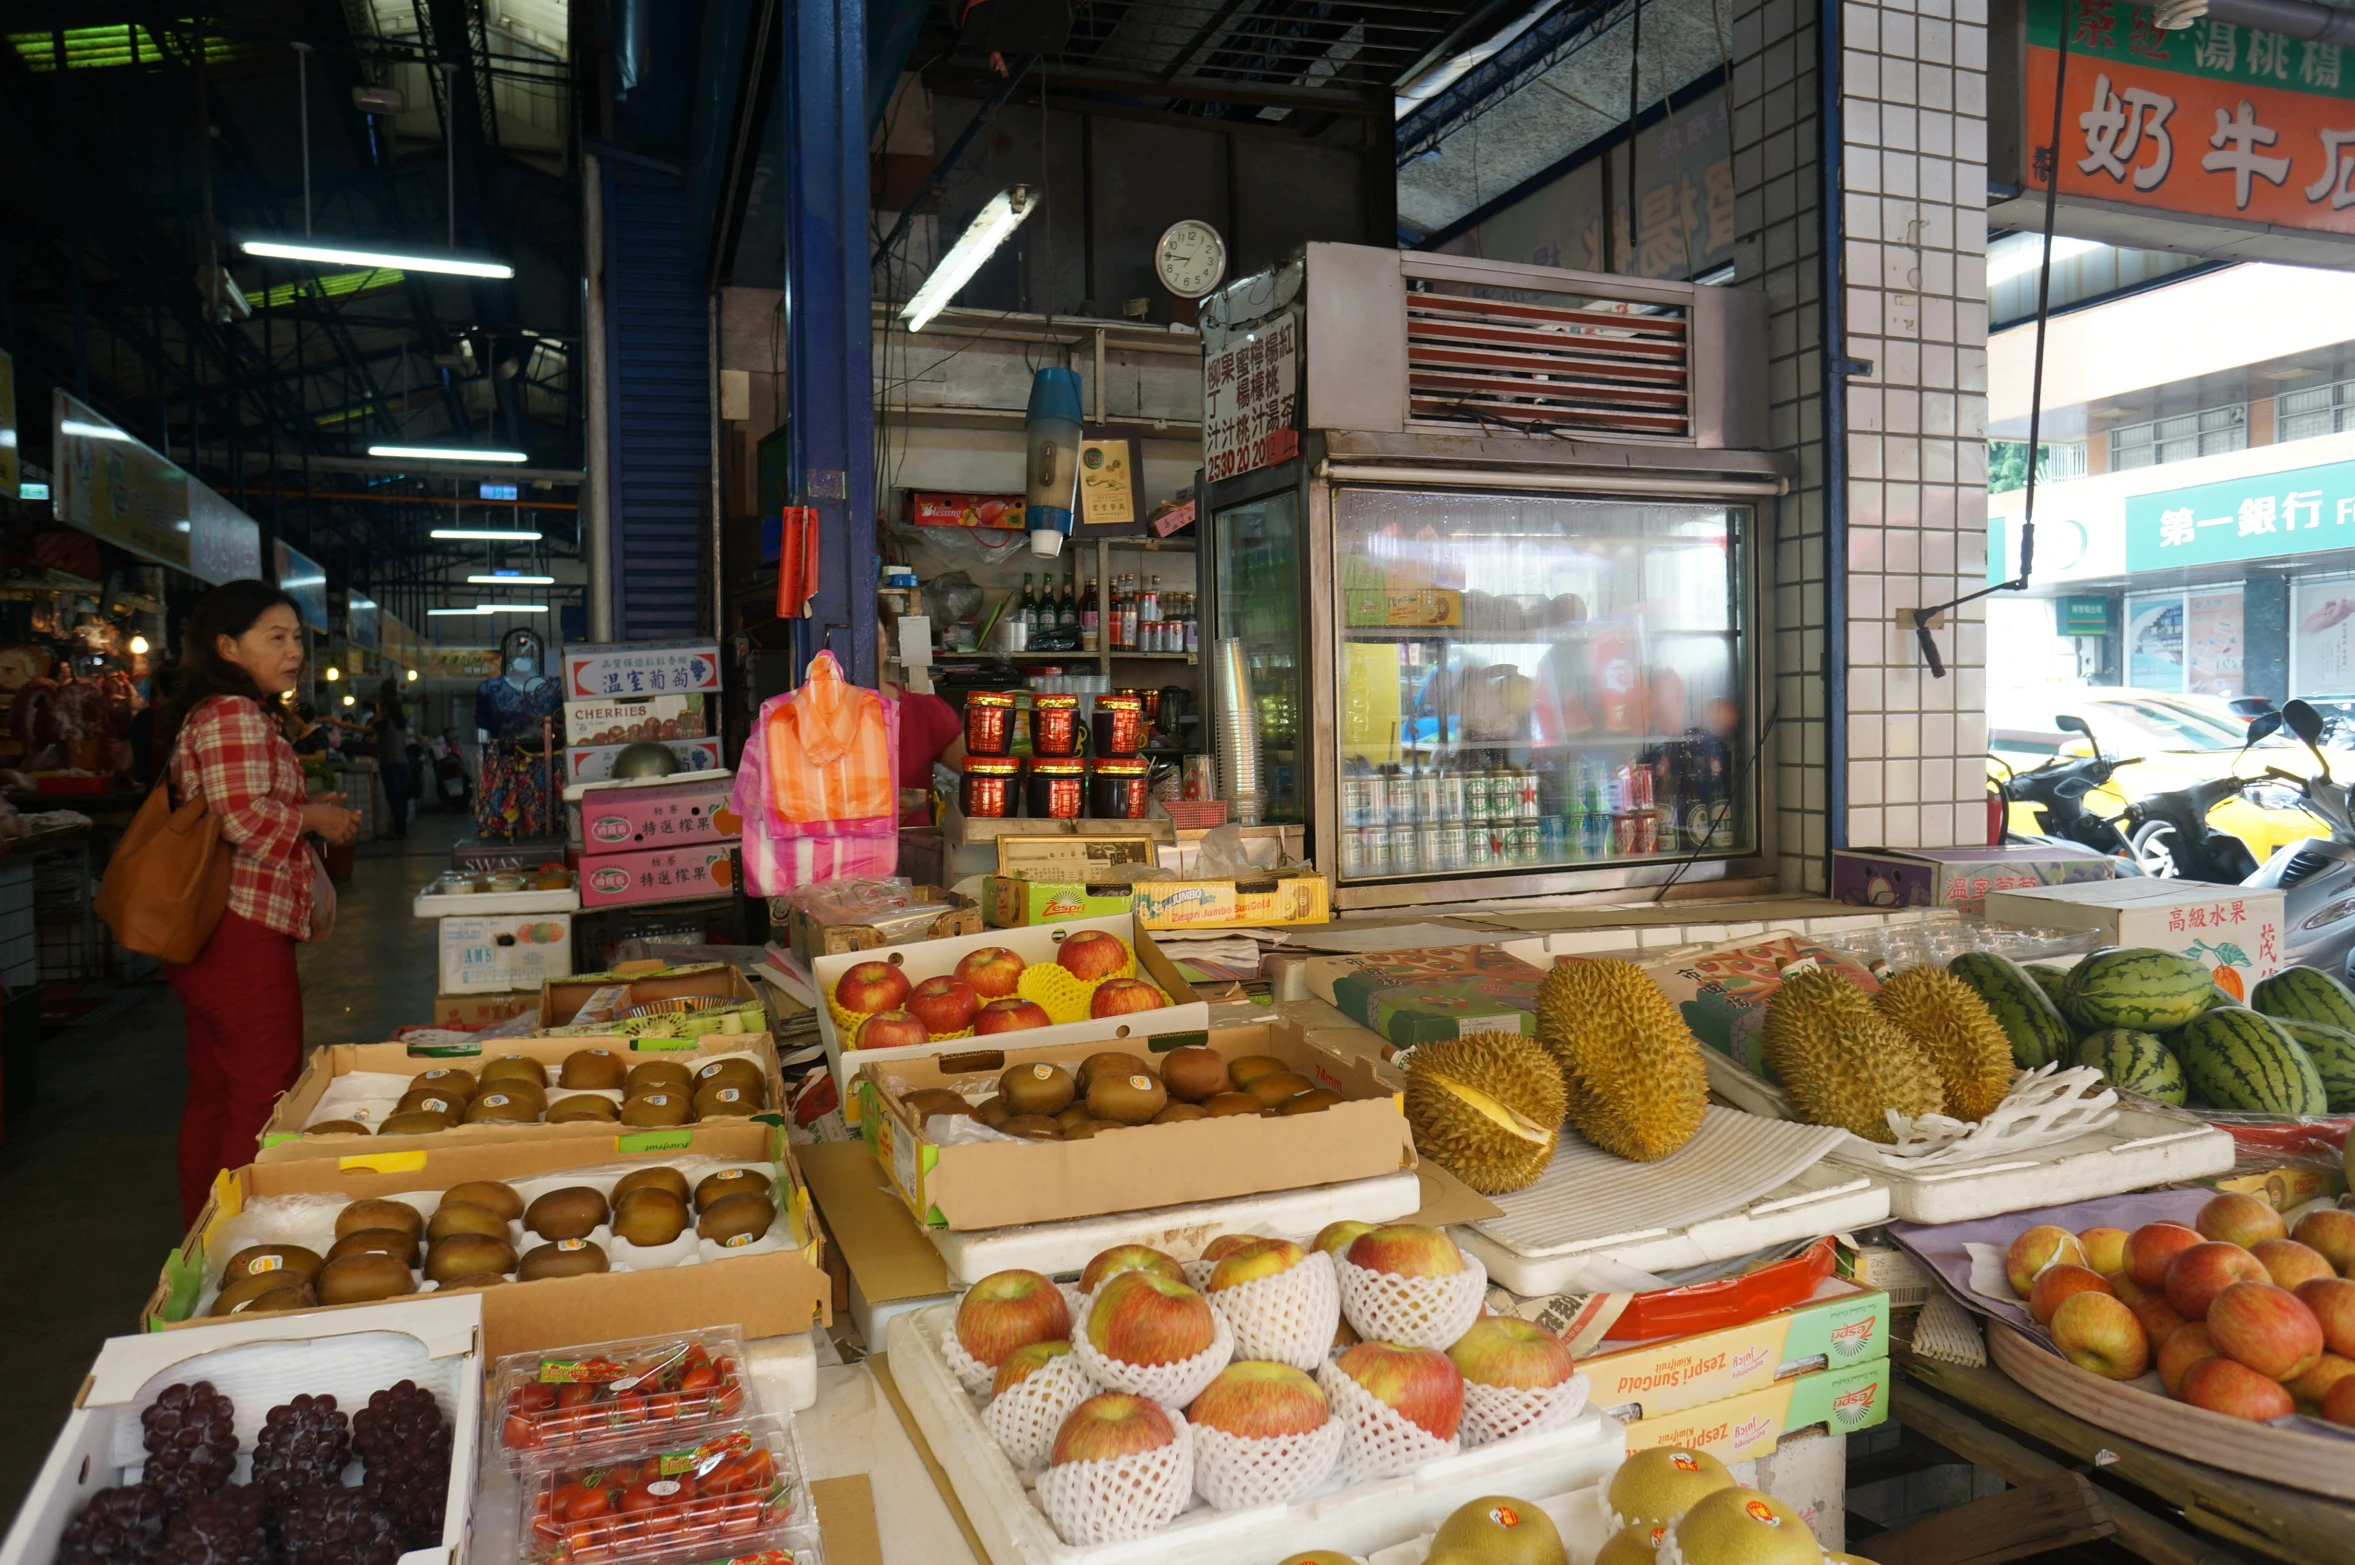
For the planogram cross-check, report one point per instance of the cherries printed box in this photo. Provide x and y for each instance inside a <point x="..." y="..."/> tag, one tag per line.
<point x="1840" y="1327"/>
<point x="1839" y="1401"/>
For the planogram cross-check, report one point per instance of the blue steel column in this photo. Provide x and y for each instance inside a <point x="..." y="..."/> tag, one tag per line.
<point x="829" y="354"/>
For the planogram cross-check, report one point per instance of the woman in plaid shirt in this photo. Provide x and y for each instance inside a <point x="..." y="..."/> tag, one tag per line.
<point x="241" y="652"/>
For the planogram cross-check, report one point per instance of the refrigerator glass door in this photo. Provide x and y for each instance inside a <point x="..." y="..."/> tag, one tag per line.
<point x="1256" y="655"/>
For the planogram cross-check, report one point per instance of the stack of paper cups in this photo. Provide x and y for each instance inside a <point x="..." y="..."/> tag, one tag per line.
<point x="1237" y="726"/>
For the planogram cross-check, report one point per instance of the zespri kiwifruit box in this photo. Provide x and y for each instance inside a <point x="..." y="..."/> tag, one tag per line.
<point x="997" y="1183"/>
<point x="1840" y="1326"/>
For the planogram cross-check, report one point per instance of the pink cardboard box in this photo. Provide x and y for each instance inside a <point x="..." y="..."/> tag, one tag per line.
<point x="659" y="875"/>
<point x="624" y="817"/>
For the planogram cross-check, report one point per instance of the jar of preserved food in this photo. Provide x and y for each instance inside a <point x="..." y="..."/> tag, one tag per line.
<point x="1117" y="789"/>
<point x="1119" y="725"/>
<point x="1058" y="790"/>
<point x="991" y="788"/>
<point x="1054" y="725"/>
<point x="989" y="722"/>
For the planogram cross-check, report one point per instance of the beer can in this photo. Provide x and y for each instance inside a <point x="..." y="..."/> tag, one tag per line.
<point x="1525" y="843"/>
<point x="1622" y="834"/>
<point x="1479" y="851"/>
<point x="1446" y="845"/>
<point x="1398" y="799"/>
<point x="1353" y="853"/>
<point x="1426" y="798"/>
<point x="1525" y="795"/>
<point x="1449" y="787"/>
<point x="1200" y="779"/>
<point x="1647" y="833"/>
<point x="1474" y="787"/>
<point x="1357" y="799"/>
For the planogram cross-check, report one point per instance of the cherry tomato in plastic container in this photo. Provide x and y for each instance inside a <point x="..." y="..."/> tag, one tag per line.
<point x="609" y="1395"/>
<point x="727" y="1491"/>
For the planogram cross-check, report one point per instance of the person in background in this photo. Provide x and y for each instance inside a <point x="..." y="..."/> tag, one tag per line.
<point x="930" y="731"/>
<point x="308" y="734"/>
<point x="388" y="726"/>
<point x="242" y="650"/>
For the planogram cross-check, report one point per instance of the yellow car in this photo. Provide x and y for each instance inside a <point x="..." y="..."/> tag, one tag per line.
<point x="2174" y="741"/>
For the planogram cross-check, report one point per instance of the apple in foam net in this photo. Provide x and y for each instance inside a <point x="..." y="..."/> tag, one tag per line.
<point x="944" y="1004"/>
<point x="2096" y="1332"/>
<point x="1335" y="1237"/>
<point x="1144" y="1319"/>
<point x="2222" y="1385"/>
<point x="2240" y="1219"/>
<point x="1504" y="1350"/>
<point x="1259" y="1401"/>
<point x="2266" y="1328"/>
<point x="2062" y="1282"/>
<point x="2183" y="1348"/>
<point x="2331" y="1231"/>
<point x="871" y="986"/>
<point x="2035" y="1249"/>
<point x="1008" y="1310"/>
<point x="1421" y="1385"/>
<point x="1128" y="1258"/>
<point x="2195" y="1277"/>
<point x="1110" y="1426"/>
<point x="2152" y="1248"/>
<point x="1010" y="1016"/>
<point x="2290" y="1263"/>
<point x="2105" y="1249"/>
<point x="993" y="971"/>
<point x="1122" y="996"/>
<point x="1267" y="1258"/>
<point x="1092" y="954"/>
<point x="892" y="1030"/>
<point x="1406" y="1250"/>
<point x="1227" y="1244"/>
<point x="2332" y="1299"/>
<point x="1024" y="1362"/>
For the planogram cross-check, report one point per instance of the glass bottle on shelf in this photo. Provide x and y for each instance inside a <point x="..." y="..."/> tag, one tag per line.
<point x="1129" y="616"/>
<point x="1067" y="606"/>
<point x="1026" y="608"/>
<point x="1091" y="619"/>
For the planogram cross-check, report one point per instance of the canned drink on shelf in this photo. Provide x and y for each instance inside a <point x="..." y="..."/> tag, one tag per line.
<point x="1426" y="798"/>
<point x="1398" y="798"/>
<point x="1553" y="839"/>
<point x="1444" y="844"/>
<point x="1449" y="788"/>
<point x="1525" y="795"/>
<point x="1357" y="800"/>
<point x="1647" y="833"/>
<point x="1378" y="857"/>
<point x="1524" y="842"/>
<point x="1622" y="834"/>
<point x="1353" y="852"/>
<point x="1472" y="789"/>
<point x="1479" y="847"/>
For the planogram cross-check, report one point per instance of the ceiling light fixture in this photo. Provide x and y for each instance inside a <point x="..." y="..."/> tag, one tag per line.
<point x="510" y="579"/>
<point x="445" y="613"/>
<point x="496" y="608"/>
<point x="84" y="430"/>
<point x="989" y="229"/>
<point x="412" y="676"/>
<point x="327" y="253"/>
<point x="448" y="454"/>
<point x="486" y="535"/>
<point x="138" y="646"/>
<point x="334" y="673"/>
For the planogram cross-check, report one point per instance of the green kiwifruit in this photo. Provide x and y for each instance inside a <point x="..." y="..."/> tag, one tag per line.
<point x="583" y="1106"/>
<point x="460" y="1254"/>
<point x="1077" y="1114"/>
<point x="592" y="1070"/>
<point x="573" y="1212"/>
<point x="1089" y="1129"/>
<point x="992" y="1111"/>
<point x="237" y="1292"/>
<point x="432" y="1100"/>
<point x="1032" y="1127"/>
<point x="1221" y="1104"/>
<point x="1037" y="1089"/>
<point x="1109" y="1062"/>
<point x="1178" y="1113"/>
<point x="273" y="1260"/>
<point x="1251" y="1067"/>
<point x="648" y="1075"/>
<point x="489" y="1194"/>
<point x="725" y="1100"/>
<point x="1314" y="1100"/>
<point x="288" y="1293"/>
<point x="736" y="1220"/>
<point x="400" y="1246"/>
<point x="563" y="1258"/>
<point x="1131" y="1100"/>
<point x="658" y="1110"/>
<point x="471" y="1280"/>
<point x="375" y="1213"/>
<point x="514" y="1067"/>
<point x="727" y="1182"/>
<point x="355" y="1279"/>
<point x="498" y="1106"/>
<point x="1194" y="1073"/>
<point x="660" y="1177"/>
<point x="464" y="1217"/>
<point x="650" y="1217"/>
<point x="456" y="1080"/>
<point x="417" y="1122"/>
<point x="925" y="1102"/>
<point x="735" y="1070"/>
<point x="1274" y="1087"/>
<point x="338" y="1127"/>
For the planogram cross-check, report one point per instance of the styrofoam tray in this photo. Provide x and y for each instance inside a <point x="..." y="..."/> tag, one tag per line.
<point x="1652" y="939"/>
<point x="489" y="904"/>
<point x="1358" y="1520"/>
<point x="1178" y="1231"/>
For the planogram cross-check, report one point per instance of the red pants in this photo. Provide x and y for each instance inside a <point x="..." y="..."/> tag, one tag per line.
<point x="245" y="1046"/>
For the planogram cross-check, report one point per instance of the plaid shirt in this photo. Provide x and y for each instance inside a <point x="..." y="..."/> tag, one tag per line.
<point x="250" y="778"/>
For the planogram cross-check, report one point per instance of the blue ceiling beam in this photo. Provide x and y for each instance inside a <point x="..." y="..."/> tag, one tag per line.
<point x="1549" y="40"/>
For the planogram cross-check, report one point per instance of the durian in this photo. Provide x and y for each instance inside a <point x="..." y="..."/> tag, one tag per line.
<point x="1637" y="1545"/>
<point x="1841" y="1063"/>
<point x="1663" y="1483"/>
<point x="1744" y="1527"/>
<point x="1631" y="1067"/>
<point x="1486" y="1107"/>
<point x="1970" y="1050"/>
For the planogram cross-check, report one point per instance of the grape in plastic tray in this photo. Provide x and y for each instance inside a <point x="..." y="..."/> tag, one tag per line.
<point x="728" y="1492"/>
<point x="563" y="1402"/>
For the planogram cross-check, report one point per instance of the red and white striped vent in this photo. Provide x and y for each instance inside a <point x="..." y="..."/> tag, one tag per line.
<point x="1499" y="365"/>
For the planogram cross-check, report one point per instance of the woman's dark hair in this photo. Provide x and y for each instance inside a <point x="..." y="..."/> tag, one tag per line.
<point x="228" y="610"/>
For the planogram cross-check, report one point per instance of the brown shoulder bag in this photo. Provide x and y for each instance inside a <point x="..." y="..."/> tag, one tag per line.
<point x="168" y="883"/>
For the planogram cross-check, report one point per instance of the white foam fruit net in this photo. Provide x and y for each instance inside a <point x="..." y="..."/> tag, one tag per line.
<point x="1198" y="1273"/>
<point x="971" y="1373"/>
<point x="1414" y="1312"/>
<point x="1126" y="1497"/>
<point x="1023" y="1418"/>
<point x="1493" y="1413"/>
<point x="1377" y="1441"/>
<point x="1285" y="1319"/>
<point x="1234" y="1472"/>
<point x="1176" y="1384"/>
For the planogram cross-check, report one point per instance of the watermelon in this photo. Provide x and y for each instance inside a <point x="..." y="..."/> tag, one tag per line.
<point x="2332" y="1049"/>
<point x="2139" y="987"/>
<point x="2027" y="1015"/>
<point x="2050" y="977"/>
<point x="2239" y="1059"/>
<point x="2306" y="994"/>
<point x="2133" y="1062"/>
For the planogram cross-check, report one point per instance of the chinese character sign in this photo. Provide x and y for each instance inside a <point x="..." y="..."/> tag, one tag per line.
<point x="634" y="670"/>
<point x="1251" y="400"/>
<point x="2261" y="517"/>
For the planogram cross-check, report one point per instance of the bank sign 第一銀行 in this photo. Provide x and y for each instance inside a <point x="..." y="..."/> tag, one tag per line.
<point x="2261" y="517"/>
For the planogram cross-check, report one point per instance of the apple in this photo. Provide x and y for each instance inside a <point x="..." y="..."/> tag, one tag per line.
<point x="1120" y="996"/>
<point x="2122" y="1284"/>
<point x="1259" y="1401"/>
<point x="2266" y="1328"/>
<point x="2195" y="1277"/>
<point x="1128" y="1258"/>
<point x="1268" y="1258"/>
<point x="2333" y="1302"/>
<point x="1024" y="1362"/>
<point x="2338" y="1404"/>
<point x="1144" y="1318"/>
<point x="2240" y="1219"/>
<point x="1334" y="1238"/>
<point x="1011" y="1016"/>
<point x="2222" y="1386"/>
<point x="2330" y="1230"/>
<point x="944" y="1005"/>
<point x="2056" y="1283"/>
<point x="1505" y="1350"/>
<point x="1092" y="954"/>
<point x="1110" y="1426"/>
<point x="2158" y="1317"/>
<point x="1008" y="1310"/>
<point x="2187" y="1346"/>
<point x="892" y="1030"/>
<point x="1227" y="1244"/>
<point x="2095" y="1331"/>
<point x="2152" y="1247"/>
<point x="871" y="986"/>
<point x="2291" y="1263"/>
<point x="1421" y="1385"/>
<point x="992" y="971"/>
<point x="2105" y="1249"/>
<point x="2033" y="1251"/>
<point x="1406" y="1250"/>
<point x="2312" y="1389"/>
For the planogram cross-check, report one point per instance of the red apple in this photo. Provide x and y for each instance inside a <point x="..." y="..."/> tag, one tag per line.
<point x="944" y="1005"/>
<point x="2096" y="1332"/>
<point x="1009" y="1310"/>
<point x="2333" y="1302"/>
<point x="1335" y="1238"/>
<point x="2312" y="1389"/>
<point x="892" y="1030"/>
<point x="2158" y="1317"/>
<point x="1142" y="1318"/>
<point x="1259" y="1401"/>
<point x="1268" y="1258"/>
<point x="1227" y="1244"/>
<point x="1128" y="1258"/>
<point x="2039" y="1247"/>
<point x="1024" y="1362"/>
<point x="1421" y="1385"/>
<point x="2240" y="1219"/>
<point x="1505" y="1350"/>
<point x="2222" y="1386"/>
<point x="2266" y="1328"/>
<point x="2200" y="1273"/>
<point x="1092" y="954"/>
<point x="2290" y="1263"/>
<point x="1011" y="1016"/>
<point x="2185" y="1347"/>
<point x="2338" y="1404"/>
<point x="1109" y="1426"/>
<point x="2056" y="1283"/>
<point x="1406" y="1250"/>
<point x="1120" y="996"/>
<point x="2331" y="1230"/>
<point x="992" y="971"/>
<point x="871" y="986"/>
<point x="2105" y="1249"/>
<point x="2152" y="1247"/>
<point x="2122" y="1283"/>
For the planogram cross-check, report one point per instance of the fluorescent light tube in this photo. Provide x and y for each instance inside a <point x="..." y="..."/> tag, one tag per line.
<point x="988" y="230"/>
<point x="511" y="579"/>
<point x="348" y="255"/>
<point x="445" y="613"/>
<point x="486" y="535"/>
<point x="448" y="454"/>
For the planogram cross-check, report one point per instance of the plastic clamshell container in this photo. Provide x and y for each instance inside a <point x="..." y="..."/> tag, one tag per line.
<point x="576" y="1403"/>
<point x="728" y="1491"/>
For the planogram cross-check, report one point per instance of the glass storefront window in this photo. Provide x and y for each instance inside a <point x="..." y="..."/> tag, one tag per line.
<point x="1258" y="605"/>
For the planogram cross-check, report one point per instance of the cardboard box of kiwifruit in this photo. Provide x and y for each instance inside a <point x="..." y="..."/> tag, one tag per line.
<point x="371" y="1100"/>
<point x="777" y="1289"/>
<point x="650" y="983"/>
<point x="1360" y="1133"/>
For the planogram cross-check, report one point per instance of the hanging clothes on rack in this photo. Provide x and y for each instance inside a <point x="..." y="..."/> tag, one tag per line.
<point x="818" y="787"/>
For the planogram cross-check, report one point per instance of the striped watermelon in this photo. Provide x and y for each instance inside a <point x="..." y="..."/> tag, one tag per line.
<point x="2332" y="1049"/>
<point x="2306" y="994"/>
<point x="2022" y="1009"/>
<point x="2141" y="987"/>
<point x="2052" y="978"/>
<point x="2133" y="1062"/>
<point x="2236" y="1058"/>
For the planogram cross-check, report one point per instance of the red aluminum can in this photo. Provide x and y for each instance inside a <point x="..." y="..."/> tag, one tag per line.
<point x="989" y="722"/>
<point x="1117" y="790"/>
<point x="1119" y="725"/>
<point x="1054" y="725"/>
<point x="991" y="788"/>
<point x="1058" y="790"/>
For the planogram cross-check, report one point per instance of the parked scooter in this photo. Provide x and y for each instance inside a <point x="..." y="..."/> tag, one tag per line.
<point x="2317" y="874"/>
<point x="2170" y="833"/>
<point x="2057" y="789"/>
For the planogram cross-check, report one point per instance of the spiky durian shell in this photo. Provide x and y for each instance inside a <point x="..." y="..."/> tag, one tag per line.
<point x="1841" y="1063"/>
<point x="1968" y="1047"/>
<point x="1631" y="1067"/>
<point x="1449" y="1085"/>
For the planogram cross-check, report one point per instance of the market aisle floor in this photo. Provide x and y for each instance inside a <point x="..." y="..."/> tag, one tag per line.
<point x="89" y="1202"/>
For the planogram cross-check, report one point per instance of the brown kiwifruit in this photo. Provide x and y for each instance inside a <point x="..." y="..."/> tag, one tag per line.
<point x="489" y="1194"/>
<point x="498" y="1106"/>
<point x="660" y="1177"/>
<point x="658" y="1110"/>
<point x="447" y="1078"/>
<point x="432" y="1100"/>
<point x="464" y="1217"/>
<point x="1309" y="1102"/>
<point x="355" y="1279"/>
<point x="1107" y="1062"/>
<point x="374" y="1213"/>
<point x="592" y="1070"/>
<point x="286" y="1293"/>
<point x="1032" y="1127"/>
<point x="736" y="1220"/>
<point x="924" y="1102"/>
<point x="1276" y="1086"/>
<point x="417" y="1122"/>
<point x="1088" y="1129"/>
<point x="735" y="1070"/>
<point x="1077" y="1114"/>
<point x="992" y="1111"/>
<point x="237" y="1292"/>
<point x="471" y="1280"/>
<point x="649" y="1075"/>
<point x="583" y="1106"/>
<point x="1220" y="1105"/>
<point x="1040" y="1089"/>
<point x="1178" y="1113"/>
<point x="1132" y="1099"/>
<point x="1251" y="1067"/>
<point x="573" y="1212"/>
<point x="728" y="1182"/>
<point x="338" y="1127"/>
<point x="650" y="1217"/>
<point x="1194" y="1073"/>
<point x="460" y="1254"/>
<point x="563" y="1258"/>
<point x="725" y="1100"/>
<point x="400" y="1246"/>
<point x="514" y="1067"/>
<point x="273" y="1260"/>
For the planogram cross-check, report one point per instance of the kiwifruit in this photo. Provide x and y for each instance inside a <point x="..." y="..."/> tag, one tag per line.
<point x="375" y="1213"/>
<point x="240" y="1291"/>
<point x="924" y="1102"/>
<point x="570" y="1213"/>
<point x="287" y="1293"/>
<point x="650" y="1217"/>
<point x="433" y="1100"/>
<point x="1132" y="1099"/>
<point x="464" y="1217"/>
<point x="456" y="1080"/>
<point x="660" y="1177"/>
<point x="514" y="1067"/>
<point x="1194" y="1073"/>
<point x="498" y="1106"/>
<point x="563" y="1258"/>
<point x="658" y="1110"/>
<point x="417" y="1122"/>
<point x="735" y="1069"/>
<point x="735" y="1220"/>
<point x="647" y="1075"/>
<point x="488" y="1194"/>
<point x="992" y="1111"/>
<point x="355" y="1279"/>
<point x="1037" y="1089"/>
<point x="471" y="1280"/>
<point x="338" y="1127"/>
<point x="592" y="1070"/>
<point x="1177" y="1113"/>
<point x="728" y="1182"/>
<point x="1251" y="1067"/>
<point x="1032" y="1127"/>
<point x="1107" y="1062"/>
<point x="582" y="1106"/>
<point x="724" y="1100"/>
<point x="1221" y="1104"/>
<point x="1088" y="1129"/>
<point x="273" y="1260"/>
<point x="400" y="1246"/>
<point x="1309" y="1102"/>
<point x="1274" y="1087"/>
<point x="460" y="1254"/>
<point x="1077" y="1114"/>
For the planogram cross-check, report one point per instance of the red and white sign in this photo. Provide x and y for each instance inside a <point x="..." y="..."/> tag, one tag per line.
<point x="1251" y="400"/>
